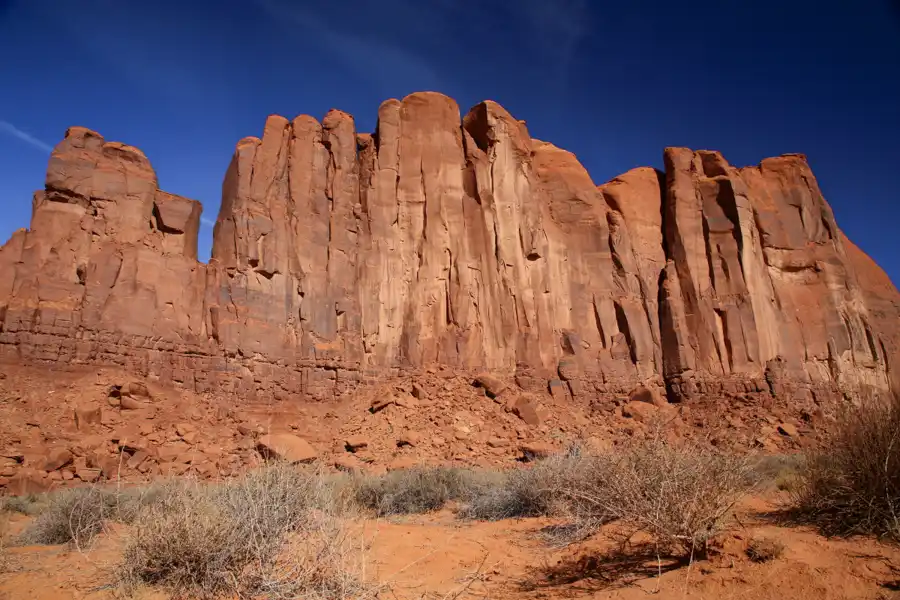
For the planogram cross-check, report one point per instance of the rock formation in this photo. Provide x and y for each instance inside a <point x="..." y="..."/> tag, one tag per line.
<point x="340" y="256"/>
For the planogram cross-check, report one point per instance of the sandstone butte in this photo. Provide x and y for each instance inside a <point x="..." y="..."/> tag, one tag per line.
<point x="342" y="258"/>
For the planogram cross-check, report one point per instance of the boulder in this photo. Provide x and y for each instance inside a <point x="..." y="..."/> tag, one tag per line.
<point x="648" y="395"/>
<point x="28" y="481"/>
<point x="171" y="451"/>
<point x="383" y="402"/>
<point x="87" y="415"/>
<point x="8" y="467"/>
<point x="788" y="430"/>
<point x="136" y="459"/>
<point x="286" y="446"/>
<point x="347" y="463"/>
<point x="639" y="411"/>
<point x="355" y="443"/>
<point x="136" y="389"/>
<point x="409" y="438"/>
<point x="419" y="392"/>
<point x="493" y="385"/>
<point x="88" y="474"/>
<point x="183" y="429"/>
<point x="57" y="458"/>
<point x="109" y="465"/>
<point x="536" y="450"/>
<point x="526" y="408"/>
<point x="129" y="403"/>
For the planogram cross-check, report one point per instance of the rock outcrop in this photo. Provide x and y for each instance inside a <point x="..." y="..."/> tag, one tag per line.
<point x="340" y="257"/>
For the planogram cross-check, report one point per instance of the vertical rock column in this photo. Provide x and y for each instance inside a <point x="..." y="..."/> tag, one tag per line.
<point x="824" y="317"/>
<point x="252" y="290"/>
<point x="107" y="271"/>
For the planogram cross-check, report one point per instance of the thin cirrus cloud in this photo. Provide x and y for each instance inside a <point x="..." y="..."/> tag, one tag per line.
<point x="25" y="137"/>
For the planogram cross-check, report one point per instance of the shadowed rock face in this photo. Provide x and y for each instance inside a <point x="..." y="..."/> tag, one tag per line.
<point x="440" y="240"/>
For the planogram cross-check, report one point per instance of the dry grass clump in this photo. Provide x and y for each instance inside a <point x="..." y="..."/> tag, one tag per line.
<point x="780" y="471"/>
<point x="412" y="491"/>
<point x="534" y="491"/>
<point x="680" y="495"/>
<point x="236" y="538"/>
<point x="851" y="485"/>
<point x="764" y="550"/>
<point x="4" y="558"/>
<point x="76" y="515"/>
<point x="71" y="516"/>
<point x="29" y="504"/>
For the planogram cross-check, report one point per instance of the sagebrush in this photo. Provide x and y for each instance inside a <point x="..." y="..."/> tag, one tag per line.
<point x="413" y="490"/>
<point x="681" y="495"/>
<point x="29" y="504"/>
<point x="273" y="532"/>
<point x="76" y="515"/>
<point x="851" y="483"/>
<point x="533" y="491"/>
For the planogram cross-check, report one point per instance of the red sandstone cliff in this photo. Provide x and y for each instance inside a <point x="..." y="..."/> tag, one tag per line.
<point x="464" y="242"/>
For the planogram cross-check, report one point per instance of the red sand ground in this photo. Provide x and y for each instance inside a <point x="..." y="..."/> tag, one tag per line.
<point x="436" y="556"/>
<point x="430" y="556"/>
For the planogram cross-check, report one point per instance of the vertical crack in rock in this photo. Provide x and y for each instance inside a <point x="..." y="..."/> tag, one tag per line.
<point x="441" y="239"/>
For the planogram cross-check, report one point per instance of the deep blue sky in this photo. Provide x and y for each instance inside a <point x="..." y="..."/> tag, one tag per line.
<point x="614" y="82"/>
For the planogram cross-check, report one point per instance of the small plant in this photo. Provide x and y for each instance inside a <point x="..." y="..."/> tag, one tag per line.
<point x="4" y="558"/>
<point x="78" y="514"/>
<point x="71" y="516"/>
<point x="533" y="491"/>
<point x="29" y="504"/>
<point x="764" y="550"/>
<point x="680" y="495"/>
<point x="271" y="533"/>
<point x="851" y="484"/>
<point x="412" y="491"/>
<point x="781" y="471"/>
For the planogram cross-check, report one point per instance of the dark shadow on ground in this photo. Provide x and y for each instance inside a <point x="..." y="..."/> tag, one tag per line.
<point x="616" y="568"/>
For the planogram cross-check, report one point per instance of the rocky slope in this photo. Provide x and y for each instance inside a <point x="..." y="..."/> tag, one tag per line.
<point x="342" y="258"/>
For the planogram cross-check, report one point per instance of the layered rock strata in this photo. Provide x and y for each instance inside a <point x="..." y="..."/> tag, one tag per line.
<point x="444" y="241"/>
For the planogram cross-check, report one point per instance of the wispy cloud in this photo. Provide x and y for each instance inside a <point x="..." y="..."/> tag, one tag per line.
<point x="374" y="56"/>
<point x="207" y="222"/>
<point x="24" y="136"/>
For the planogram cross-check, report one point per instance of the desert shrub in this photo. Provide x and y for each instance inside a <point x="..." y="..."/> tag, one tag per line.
<point x="411" y="491"/>
<point x="76" y="515"/>
<point x="764" y="550"/>
<point x="71" y="516"/>
<point x="128" y="503"/>
<point x="533" y="491"/>
<point x="780" y="471"/>
<point x="680" y="495"/>
<point x="851" y="484"/>
<point x="235" y="538"/>
<point x="4" y="533"/>
<point x="29" y="504"/>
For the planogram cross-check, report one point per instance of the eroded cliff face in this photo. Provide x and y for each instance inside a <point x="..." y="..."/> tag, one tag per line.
<point x="438" y="240"/>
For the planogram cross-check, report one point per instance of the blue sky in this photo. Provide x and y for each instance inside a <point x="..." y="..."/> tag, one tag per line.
<point x="613" y="82"/>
